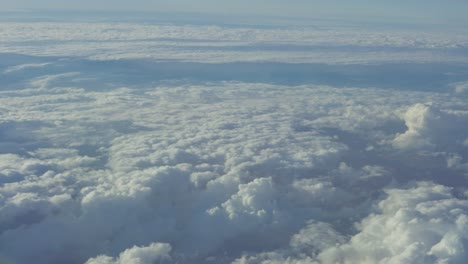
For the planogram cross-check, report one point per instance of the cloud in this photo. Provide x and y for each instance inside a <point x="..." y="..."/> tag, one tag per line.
<point x="154" y="253"/>
<point x="214" y="44"/>
<point x="428" y="127"/>
<point x="461" y="87"/>
<point x="423" y="223"/>
<point x="261" y="168"/>
<point x="23" y="67"/>
<point x="122" y="161"/>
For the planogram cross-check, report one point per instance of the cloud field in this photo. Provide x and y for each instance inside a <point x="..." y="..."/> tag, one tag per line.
<point x="207" y="42"/>
<point x="103" y="163"/>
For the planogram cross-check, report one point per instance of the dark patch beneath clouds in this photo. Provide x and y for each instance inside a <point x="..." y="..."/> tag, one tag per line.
<point x="103" y="75"/>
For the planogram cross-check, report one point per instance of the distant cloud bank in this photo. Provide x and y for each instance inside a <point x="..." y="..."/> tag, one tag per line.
<point x="213" y="43"/>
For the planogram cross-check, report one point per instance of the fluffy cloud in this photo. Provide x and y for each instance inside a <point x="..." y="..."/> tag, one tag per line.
<point x="108" y="168"/>
<point x="422" y="224"/>
<point x="259" y="168"/>
<point x="428" y="127"/>
<point x="154" y="253"/>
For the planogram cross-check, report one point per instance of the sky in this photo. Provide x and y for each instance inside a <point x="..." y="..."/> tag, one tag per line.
<point x="167" y="139"/>
<point x="453" y="11"/>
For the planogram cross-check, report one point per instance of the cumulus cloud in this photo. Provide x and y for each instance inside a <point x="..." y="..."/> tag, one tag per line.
<point x="253" y="170"/>
<point x="428" y="127"/>
<point x="107" y="168"/>
<point x="260" y="168"/>
<point x="422" y="224"/>
<point x="154" y="253"/>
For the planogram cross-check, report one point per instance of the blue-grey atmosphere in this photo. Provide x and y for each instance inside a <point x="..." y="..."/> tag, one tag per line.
<point x="246" y="132"/>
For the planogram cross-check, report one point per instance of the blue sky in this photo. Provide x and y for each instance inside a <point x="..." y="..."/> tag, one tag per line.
<point x="428" y="10"/>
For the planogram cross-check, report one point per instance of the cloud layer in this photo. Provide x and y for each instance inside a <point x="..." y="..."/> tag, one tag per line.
<point x="213" y="172"/>
<point x="100" y="166"/>
<point x="318" y="43"/>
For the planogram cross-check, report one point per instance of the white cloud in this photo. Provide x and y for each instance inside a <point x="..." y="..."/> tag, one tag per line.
<point x="421" y="224"/>
<point x="109" y="169"/>
<point x="428" y="127"/>
<point x="154" y="253"/>
<point x="211" y="43"/>
<point x="461" y="87"/>
<point x="23" y="67"/>
<point x="244" y="172"/>
<point x="424" y="223"/>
